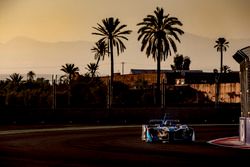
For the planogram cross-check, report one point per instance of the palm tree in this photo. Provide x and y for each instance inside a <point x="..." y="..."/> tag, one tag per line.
<point x="13" y="85"/>
<point x="15" y="78"/>
<point x="70" y="70"/>
<point x="92" y="68"/>
<point x="158" y="34"/>
<point x="14" y="81"/>
<point x="217" y="86"/>
<point x="221" y="46"/>
<point x="30" y="76"/>
<point x="100" y="49"/>
<point x="111" y="32"/>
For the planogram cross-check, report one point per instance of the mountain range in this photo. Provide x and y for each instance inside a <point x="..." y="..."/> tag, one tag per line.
<point x="23" y="54"/>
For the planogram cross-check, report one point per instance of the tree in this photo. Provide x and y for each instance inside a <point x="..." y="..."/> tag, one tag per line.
<point x="70" y="70"/>
<point x="111" y="32"/>
<point x="221" y="46"/>
<point x="178" y="61"/>
<point x="30" y="76"/>
<point x="186" y="63"/>
<point x="181" y="63"/>
<point x="158" y="34"/>
<point x="217" y="87"/>
<point x="92" y="68"/>
<point x="100" y="49"/>
<point x="13" y="85"/>
<point x="226" y="69"/>
<point x="15" y="78"/>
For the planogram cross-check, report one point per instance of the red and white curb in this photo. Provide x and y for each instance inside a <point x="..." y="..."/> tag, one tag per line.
<point x="233" y="142"/>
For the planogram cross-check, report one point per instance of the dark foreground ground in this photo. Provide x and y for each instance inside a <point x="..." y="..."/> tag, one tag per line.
<point x="115" y="146"/>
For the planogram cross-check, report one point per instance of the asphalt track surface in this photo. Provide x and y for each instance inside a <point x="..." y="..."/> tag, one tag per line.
<point x="114" y="146"/>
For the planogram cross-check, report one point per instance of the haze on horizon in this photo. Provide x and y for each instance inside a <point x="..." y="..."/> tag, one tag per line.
<point x="72" y="20"/>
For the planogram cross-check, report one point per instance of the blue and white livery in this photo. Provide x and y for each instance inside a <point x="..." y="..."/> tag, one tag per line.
<point x="167" y="130"/>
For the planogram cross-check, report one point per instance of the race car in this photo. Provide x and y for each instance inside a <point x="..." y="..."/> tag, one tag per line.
<point x="167" y="130"/>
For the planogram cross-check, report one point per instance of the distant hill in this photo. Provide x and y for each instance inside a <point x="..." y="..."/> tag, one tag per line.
<point x="23" y="54"/>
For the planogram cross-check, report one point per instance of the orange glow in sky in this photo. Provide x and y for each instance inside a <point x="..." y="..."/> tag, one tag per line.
<point x="55" y="20"/>
<point x="73" y="20"/>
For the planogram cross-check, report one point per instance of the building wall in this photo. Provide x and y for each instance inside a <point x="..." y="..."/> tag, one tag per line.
<point x="132" y="79"/>
<point x="229" y="92"/>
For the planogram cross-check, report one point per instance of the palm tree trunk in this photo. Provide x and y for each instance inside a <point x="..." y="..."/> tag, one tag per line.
<point x="97" y="62"/>
<point x="221" y="60"/>
<point x="217" y="93"/>
<point x="69" y="90"/>
<point x="158" y="91"/>
<point x="218" y="84"/>
<point x="112" y="71"/>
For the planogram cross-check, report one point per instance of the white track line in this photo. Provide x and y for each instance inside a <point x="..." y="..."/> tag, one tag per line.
<point x="21" y="131"/>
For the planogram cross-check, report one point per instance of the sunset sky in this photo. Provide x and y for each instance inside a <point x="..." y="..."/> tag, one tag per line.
<point x="71" y="20"/>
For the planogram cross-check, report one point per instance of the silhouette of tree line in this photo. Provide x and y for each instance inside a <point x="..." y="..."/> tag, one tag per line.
<point x="158" y="34"/>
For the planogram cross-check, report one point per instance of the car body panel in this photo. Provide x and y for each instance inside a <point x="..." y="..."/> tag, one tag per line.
<point x="167" y="131"/>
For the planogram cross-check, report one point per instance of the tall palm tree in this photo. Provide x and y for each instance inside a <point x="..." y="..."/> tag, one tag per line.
<point x="70" y="70"/>
<point x="158" y="34"/>
<point x="221" y="46"/>
<point x="112" y="32"/>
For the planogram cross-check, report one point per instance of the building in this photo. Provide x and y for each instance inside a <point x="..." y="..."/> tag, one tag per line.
<point x="203" y="82"/>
